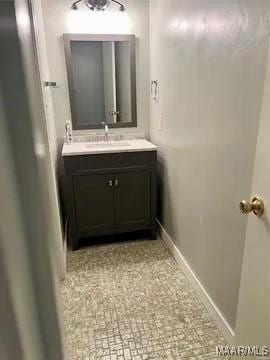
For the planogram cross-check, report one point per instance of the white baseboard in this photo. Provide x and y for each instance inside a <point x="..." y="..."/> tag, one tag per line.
<point x="203" y="295"/>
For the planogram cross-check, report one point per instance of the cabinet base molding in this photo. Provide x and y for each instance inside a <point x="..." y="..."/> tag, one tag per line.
<point x="116" y="238"/>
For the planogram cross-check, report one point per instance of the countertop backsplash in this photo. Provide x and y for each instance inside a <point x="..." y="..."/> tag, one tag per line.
<point x="115" y="136"/>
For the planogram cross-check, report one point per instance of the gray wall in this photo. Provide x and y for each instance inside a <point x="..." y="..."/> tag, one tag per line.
<point x="87" y="69"/>
<point x="209" y="58"/>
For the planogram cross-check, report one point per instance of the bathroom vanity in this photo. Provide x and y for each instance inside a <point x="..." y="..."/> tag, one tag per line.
<point x="110" y="185"/>
<point x="110" y="188"/>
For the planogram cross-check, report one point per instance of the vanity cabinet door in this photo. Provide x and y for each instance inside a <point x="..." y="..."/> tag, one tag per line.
<point x="94" y="204"/>
<point x="132" y="201"/>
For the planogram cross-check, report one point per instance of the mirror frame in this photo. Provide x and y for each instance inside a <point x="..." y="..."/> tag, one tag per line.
<point x="68" y="38"/>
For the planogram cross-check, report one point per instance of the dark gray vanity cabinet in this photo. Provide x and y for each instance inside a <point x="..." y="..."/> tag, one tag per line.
<point x="132" y="201"/>
<point x="110" y="194"/>
<point x="94" y="204"/>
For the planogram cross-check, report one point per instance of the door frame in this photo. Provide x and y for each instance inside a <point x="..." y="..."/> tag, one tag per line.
<point x="44" y="73"/>
<point x="31" y="305"/>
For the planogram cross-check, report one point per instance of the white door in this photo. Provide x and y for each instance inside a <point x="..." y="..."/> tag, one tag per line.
<point x="253" y="318"/>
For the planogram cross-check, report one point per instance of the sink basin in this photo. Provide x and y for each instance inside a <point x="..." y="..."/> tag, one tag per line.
<point x="108" y="144"/>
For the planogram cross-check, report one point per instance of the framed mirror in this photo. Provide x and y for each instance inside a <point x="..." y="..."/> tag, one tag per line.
<point x="101" y="73"/>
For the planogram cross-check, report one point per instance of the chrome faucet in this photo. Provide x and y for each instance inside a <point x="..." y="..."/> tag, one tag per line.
<point x="106" y="128"/>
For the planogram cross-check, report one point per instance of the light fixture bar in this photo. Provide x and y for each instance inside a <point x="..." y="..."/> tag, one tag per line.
<point x="74" y="6"/>
<point x="95" y="6"/>
<point x="122" y="7"/>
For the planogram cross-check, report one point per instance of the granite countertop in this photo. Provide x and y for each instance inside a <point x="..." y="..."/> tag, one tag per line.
<point x="88" y="148"/>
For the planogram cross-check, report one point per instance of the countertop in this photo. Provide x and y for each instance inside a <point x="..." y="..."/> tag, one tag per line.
<point x="86" y="148"/>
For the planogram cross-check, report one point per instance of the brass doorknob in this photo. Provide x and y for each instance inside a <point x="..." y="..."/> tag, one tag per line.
<point x="257" y="206"/>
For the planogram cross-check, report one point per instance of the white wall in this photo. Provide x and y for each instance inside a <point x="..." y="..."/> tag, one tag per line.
<point x="59" y="19"/>
<point x="209" y="58"/>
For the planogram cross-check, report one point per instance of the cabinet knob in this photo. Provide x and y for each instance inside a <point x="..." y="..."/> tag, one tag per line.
<point x="110" y="183"/>
<point x="116" y="182"/>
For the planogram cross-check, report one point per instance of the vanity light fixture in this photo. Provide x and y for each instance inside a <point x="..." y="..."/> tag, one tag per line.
<point x="98" y="5"/>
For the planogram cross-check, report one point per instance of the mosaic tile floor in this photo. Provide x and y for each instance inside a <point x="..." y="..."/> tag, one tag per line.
<point x="130" y="301"/>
